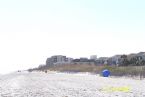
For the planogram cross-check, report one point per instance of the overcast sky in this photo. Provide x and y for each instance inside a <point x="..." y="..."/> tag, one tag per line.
<point x="32" y="30"/>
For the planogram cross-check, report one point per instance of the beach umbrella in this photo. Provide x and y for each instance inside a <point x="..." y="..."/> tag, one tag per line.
<point x="105" y="73"/>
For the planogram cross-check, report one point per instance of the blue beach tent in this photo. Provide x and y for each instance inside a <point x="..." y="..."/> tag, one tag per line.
<point x="106" y="73"/>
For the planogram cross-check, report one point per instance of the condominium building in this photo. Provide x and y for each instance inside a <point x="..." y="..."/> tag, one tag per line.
<point x="57" y="59"/>
<point x="93" y="57"/>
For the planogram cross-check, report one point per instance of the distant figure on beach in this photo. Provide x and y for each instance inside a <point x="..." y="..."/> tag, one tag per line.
<point x="19" y="71"/>
<point x="45" y="71"/>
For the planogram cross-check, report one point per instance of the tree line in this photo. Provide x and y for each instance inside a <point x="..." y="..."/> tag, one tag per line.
<point x="134" y="61"/>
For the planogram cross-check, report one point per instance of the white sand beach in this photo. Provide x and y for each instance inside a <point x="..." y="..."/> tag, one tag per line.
<point x="53" y="84"/>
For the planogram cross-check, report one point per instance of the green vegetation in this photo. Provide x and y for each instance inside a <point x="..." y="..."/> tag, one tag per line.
<point x="130" y="71"/>
<point x="133" y="61"/>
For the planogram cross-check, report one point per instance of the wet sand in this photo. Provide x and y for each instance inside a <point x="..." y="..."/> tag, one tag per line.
<point x="53" y="84"/>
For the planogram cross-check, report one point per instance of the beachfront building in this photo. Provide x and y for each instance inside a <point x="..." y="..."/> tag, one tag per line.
<point x="83" y="61"/>
<point x="102" y="61"/>
<point x="93" y="57"/>
<point x="114" y="60"/>
<point x="58" y="60"/>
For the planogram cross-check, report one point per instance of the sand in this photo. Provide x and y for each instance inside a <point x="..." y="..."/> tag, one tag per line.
<point x="55" y="84"/>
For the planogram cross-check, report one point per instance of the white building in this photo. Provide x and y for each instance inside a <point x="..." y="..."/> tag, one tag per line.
<point x="59" y="58"/>
<point x="94" y="57"/>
